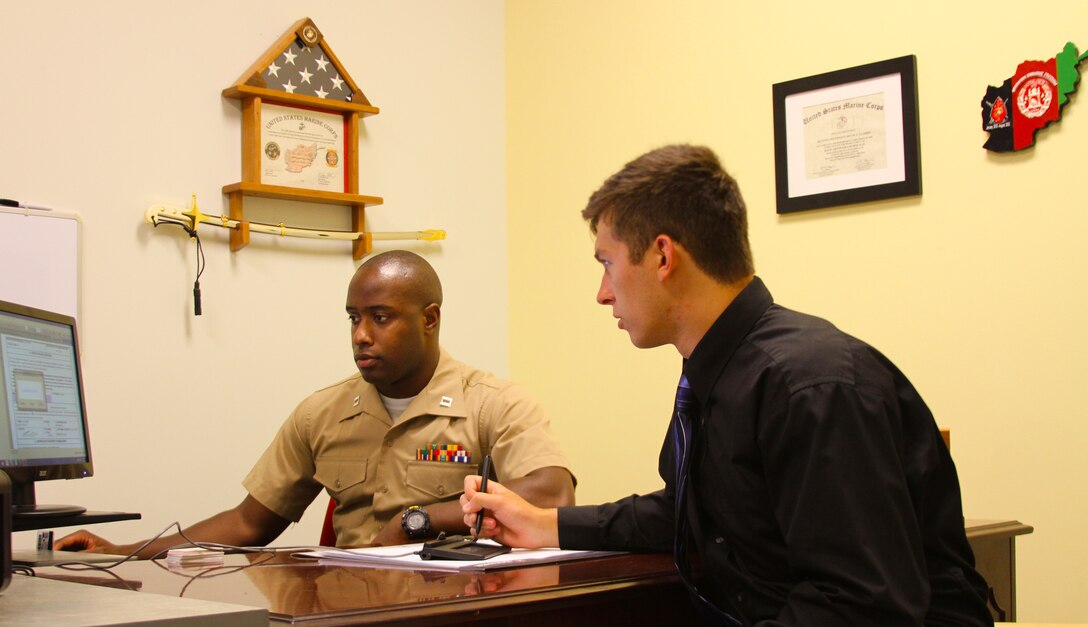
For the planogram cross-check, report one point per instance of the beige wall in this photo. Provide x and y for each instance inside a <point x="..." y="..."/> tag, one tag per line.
<point x="112" y="106"/>
<point x="974" y="289"/>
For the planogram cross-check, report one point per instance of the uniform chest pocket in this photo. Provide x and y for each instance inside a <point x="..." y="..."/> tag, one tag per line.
<point x="438" y="479"/>
<point x="339" y="474"/>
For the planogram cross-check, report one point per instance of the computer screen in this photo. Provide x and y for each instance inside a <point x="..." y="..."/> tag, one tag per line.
<point x="43" y="419"/>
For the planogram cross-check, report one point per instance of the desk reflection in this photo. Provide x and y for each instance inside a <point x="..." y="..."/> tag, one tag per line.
<point x="294" y="589"/>
<point x="301" y="587"/>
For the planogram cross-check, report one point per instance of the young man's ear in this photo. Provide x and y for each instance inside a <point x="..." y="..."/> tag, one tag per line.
<point x="664" y="247"/>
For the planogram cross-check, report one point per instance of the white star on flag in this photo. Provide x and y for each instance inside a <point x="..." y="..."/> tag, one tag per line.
<point x="318" y="75"/>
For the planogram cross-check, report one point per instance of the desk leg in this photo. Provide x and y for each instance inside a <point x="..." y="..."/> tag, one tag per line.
<point x="995" y="560"/>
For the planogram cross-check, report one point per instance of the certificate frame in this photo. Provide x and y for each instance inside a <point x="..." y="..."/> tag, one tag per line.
<point x="285" y="128"/>
<point x="847" y="136"/>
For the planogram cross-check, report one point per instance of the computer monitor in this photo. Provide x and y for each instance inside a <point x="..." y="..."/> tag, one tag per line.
<point x="43" y="418"/>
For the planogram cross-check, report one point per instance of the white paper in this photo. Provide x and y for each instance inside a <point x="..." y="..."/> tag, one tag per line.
<point x="406" y="556"/>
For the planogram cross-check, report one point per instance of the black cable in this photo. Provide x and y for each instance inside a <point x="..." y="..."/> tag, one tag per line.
<point x="18" y="569"/>
<point x="200" y="264"/>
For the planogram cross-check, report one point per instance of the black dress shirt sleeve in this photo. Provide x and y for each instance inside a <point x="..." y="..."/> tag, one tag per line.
<point x="636" y="523"/>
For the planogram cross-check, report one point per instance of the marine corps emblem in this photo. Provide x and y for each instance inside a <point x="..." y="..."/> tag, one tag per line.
<point x="998" y="112"/>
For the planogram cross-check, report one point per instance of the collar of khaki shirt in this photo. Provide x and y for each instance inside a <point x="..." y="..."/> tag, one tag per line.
<point x="444" y="395"/>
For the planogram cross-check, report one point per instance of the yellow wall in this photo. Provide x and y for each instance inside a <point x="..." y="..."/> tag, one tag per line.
<point x="975" y="289"/>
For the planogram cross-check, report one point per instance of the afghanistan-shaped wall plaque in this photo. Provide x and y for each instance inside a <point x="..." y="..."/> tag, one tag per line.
<point x="1030" y="100"/>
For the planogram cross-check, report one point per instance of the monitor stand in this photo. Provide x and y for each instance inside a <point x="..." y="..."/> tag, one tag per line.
<point x="24" y="504"/>
<point x="39" y="510"/>
<point x="27" y="515"/>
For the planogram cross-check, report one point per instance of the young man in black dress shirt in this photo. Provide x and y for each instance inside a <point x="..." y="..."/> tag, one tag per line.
<point x="819" y="490"/>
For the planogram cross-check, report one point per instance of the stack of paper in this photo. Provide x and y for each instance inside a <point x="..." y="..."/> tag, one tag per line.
<point x="194" y="556"/>
<point x="407" y="556"/>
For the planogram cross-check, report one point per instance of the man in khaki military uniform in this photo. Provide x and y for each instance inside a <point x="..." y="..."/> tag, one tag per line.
<point x="367" y="439"/>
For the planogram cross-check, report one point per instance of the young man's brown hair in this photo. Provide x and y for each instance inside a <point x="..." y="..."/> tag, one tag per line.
<point x="681" y="191"/>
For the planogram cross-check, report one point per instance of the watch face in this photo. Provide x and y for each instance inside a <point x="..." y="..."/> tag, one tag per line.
<point x="415" y="521"/>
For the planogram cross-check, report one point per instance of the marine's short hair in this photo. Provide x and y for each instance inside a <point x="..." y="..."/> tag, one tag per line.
<point x="418" y="278"/>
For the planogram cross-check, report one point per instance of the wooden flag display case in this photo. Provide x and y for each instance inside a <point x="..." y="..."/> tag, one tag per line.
<point x="300" y="131"/>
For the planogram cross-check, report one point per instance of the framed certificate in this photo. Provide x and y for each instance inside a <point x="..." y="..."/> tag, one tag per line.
<point x="303" y="147"/>
<point x="847" y="136"/>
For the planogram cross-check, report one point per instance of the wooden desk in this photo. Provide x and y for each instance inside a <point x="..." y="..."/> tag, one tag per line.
<point x="640" y="589"/>
<point x="636" y="589"/>
<point x="994" y="545"/>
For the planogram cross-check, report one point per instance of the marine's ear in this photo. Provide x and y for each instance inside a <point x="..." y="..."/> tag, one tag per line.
<point x="432" y="316"/>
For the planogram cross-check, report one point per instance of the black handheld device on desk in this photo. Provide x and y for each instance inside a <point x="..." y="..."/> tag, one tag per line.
<point x="460" y="548"/>
<point x="463" y="547"/>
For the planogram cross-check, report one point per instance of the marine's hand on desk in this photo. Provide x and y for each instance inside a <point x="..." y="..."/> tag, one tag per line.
<point x="86" y="541"/>
<point x="509" y="518"/>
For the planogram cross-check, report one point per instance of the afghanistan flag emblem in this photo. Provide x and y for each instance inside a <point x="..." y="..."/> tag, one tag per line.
<point x="1030" y="100"/>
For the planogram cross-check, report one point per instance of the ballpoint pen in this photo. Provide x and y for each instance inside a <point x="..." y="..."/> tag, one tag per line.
<point x="483" y="488"/>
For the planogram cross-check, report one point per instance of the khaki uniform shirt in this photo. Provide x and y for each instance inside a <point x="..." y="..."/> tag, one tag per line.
<point x="342" y="439"/>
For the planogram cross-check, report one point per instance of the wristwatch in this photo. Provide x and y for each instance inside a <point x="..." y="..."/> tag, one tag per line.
<point x="416" y="522"/>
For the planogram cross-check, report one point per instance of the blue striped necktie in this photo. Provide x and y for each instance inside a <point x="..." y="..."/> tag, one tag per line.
<point x="683" y="419"/>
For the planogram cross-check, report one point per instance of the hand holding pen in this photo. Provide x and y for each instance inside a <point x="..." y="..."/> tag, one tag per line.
<point x="511" y="520"/>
